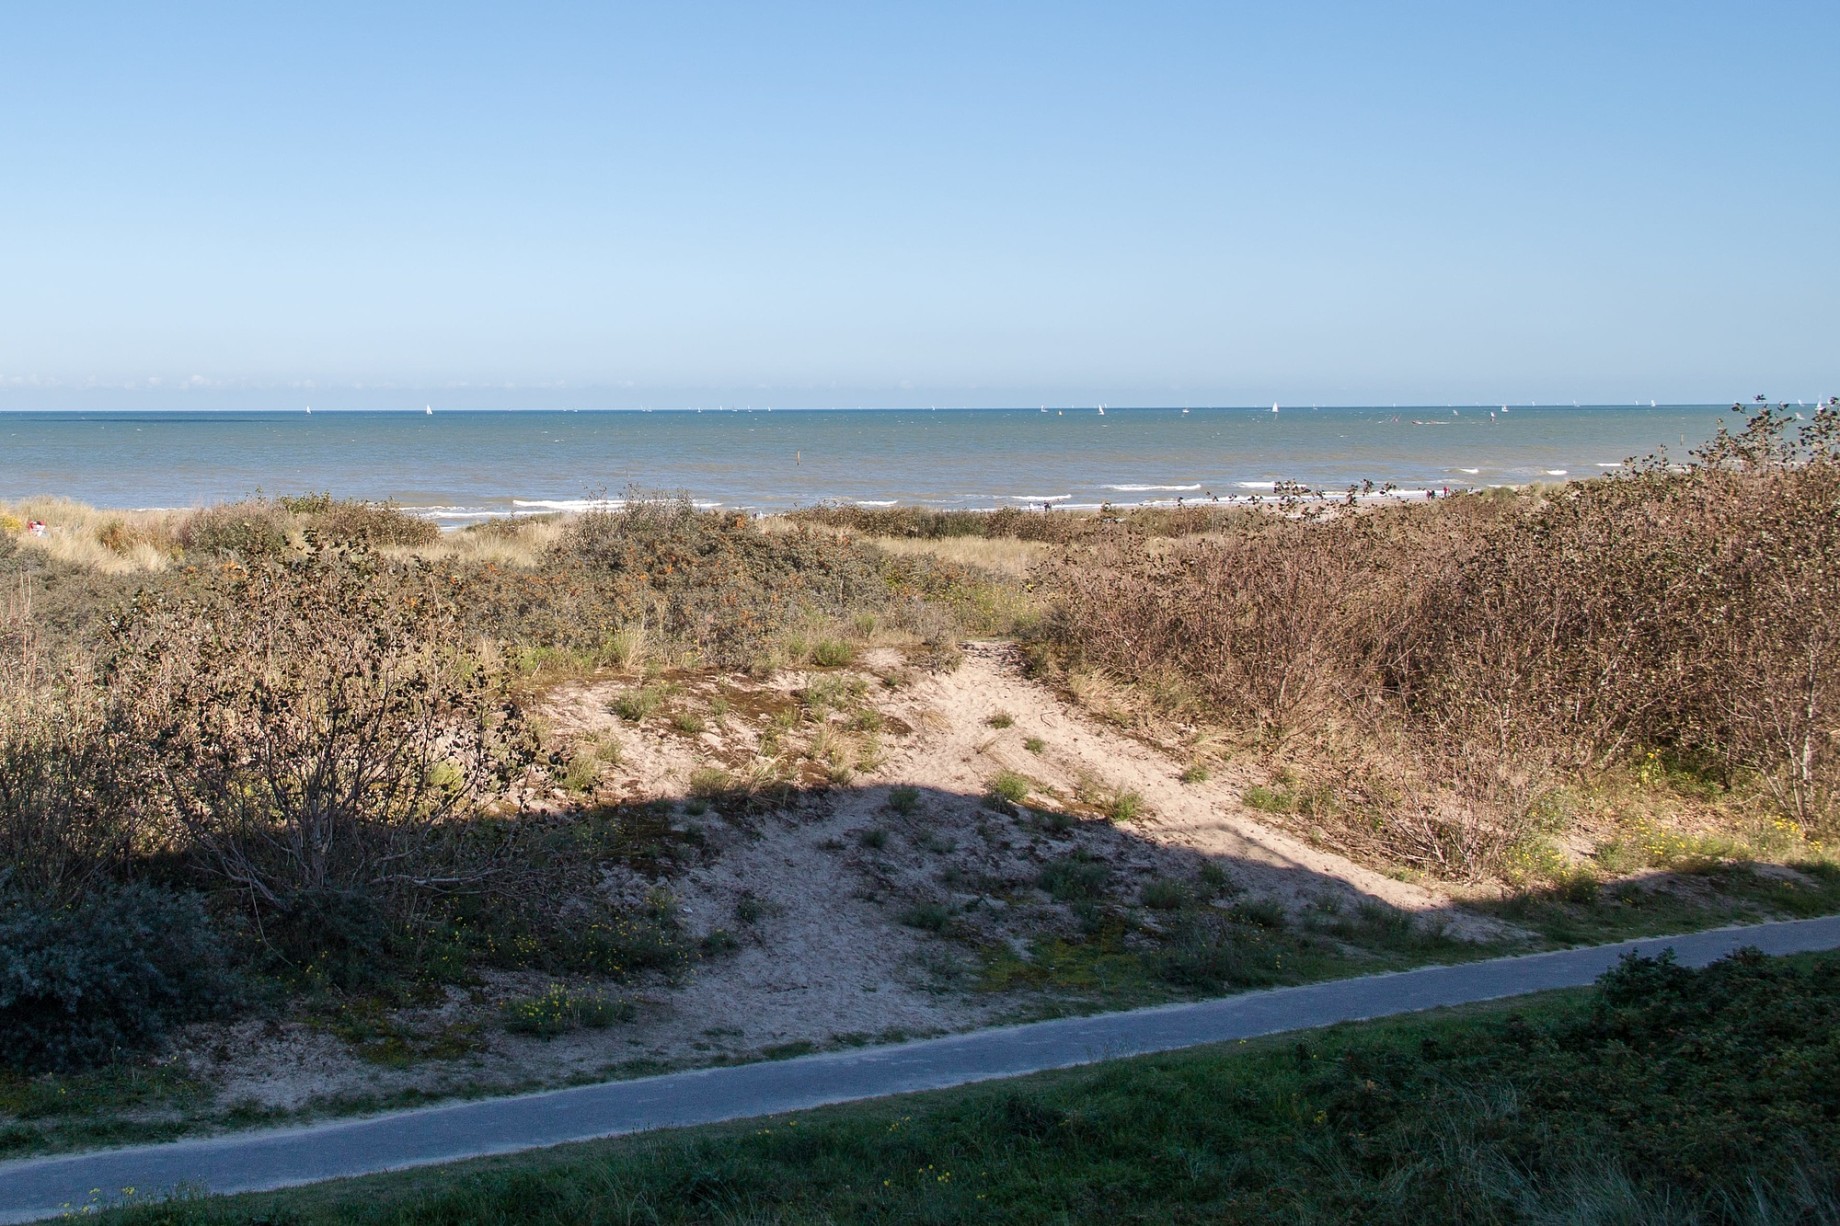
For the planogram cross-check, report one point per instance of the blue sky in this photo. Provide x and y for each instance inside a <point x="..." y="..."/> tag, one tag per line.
<point x="878" y="204"/>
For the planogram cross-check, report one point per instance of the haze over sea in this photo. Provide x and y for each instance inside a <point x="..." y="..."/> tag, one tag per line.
<point x="458" y="467"/>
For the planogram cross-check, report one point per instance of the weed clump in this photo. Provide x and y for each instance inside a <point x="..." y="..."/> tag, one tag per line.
<point x="1008" y="787"/>
<point x="558" y="1011"/>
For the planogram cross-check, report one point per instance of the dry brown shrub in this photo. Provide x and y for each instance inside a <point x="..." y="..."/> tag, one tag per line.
<point x="1280" y="624"/>
<point x="1486" y="646"/>
<point x="314" y="727"/>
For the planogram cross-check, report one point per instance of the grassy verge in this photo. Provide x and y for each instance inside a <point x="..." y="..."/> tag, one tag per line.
<point x="1662" y="1094"/>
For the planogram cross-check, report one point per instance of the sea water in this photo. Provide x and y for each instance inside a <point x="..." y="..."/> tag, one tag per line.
<point x="458" y="467"/>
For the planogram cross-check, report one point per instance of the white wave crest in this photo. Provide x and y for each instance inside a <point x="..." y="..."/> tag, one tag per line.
<point x="1147" y="489"/>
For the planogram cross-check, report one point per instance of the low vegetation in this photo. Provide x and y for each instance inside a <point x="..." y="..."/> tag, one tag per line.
<point x="291" y="755"/>
<point x="1438" y="685"/>
<point x="307" y="757"/>
<point x="1662" y="1095"/>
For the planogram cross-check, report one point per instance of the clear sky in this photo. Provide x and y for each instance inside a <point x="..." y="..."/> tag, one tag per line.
<point x="601" y="205"/>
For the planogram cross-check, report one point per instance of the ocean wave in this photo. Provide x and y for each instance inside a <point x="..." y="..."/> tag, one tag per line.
<point x="590" y="504"/>
<point x="1267" y="486"/>
<point x="570" y="504"/>
<point x="1471" y="471"/>
<point x="1553" y="472"/>
<point x="1034" y="497"/>
<point x="877" y="502"/>
<point x="1148" y="489"/>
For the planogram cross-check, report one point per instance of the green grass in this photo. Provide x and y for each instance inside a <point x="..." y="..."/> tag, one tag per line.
<point x="1662" y="1095"/>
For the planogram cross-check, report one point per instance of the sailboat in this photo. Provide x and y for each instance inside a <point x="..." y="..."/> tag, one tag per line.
<point x="309" y="410"/>
<point x="1274" y="406"/>
<point x="1102" y="410"/>
<point x="428" y="409"/>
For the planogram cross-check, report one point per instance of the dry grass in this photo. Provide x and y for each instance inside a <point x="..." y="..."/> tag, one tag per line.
<point x="111" y="542"/>
<point x="1000" y="555"/>
<point x="518" y="543"/>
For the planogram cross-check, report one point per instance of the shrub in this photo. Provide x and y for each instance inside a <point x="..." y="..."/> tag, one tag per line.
<point x="1008" y="787"/>
<point x="708" y="581"/>
<point x="928" y="916"/>
<point x="1001" y="720"/>
<point x="1074" y="879"/>
<point x="353" y="522"/>
<point x="314" y="729"/>
<point x="332" y="937"/>
<point x="71" y="787"/>
<point x="904" y="799"/>
<point x="251" y="530"/>
<point x="1164" y="895"/>
<point x="84" y="984"/>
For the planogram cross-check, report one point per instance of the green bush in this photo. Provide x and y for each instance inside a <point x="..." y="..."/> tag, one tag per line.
<point x="1075" y="879"/>
<point x="85" y="984"/>
<point x="1009" y="787"/>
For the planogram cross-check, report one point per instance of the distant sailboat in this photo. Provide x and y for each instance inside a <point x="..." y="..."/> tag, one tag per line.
<point x="1274" y="406"/>
<point x="309" y="410"/>
<point x="1102" y="410"/>
<point x="428" y="409"/>
<point x="1651" y="404"/>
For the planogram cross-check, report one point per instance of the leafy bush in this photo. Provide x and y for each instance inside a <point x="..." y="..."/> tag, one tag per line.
<point x="84" y="984"/>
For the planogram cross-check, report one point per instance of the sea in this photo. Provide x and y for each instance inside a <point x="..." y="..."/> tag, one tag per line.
<point x="460" y="467"/>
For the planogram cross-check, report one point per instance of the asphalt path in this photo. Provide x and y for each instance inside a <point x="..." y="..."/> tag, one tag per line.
<point x="36" y="1188"/>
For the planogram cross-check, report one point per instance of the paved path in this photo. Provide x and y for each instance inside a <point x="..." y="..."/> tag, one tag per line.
<point x="43" y="1187"/>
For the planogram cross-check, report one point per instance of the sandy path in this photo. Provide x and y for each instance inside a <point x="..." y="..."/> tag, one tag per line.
<point x="960" y="752"/>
